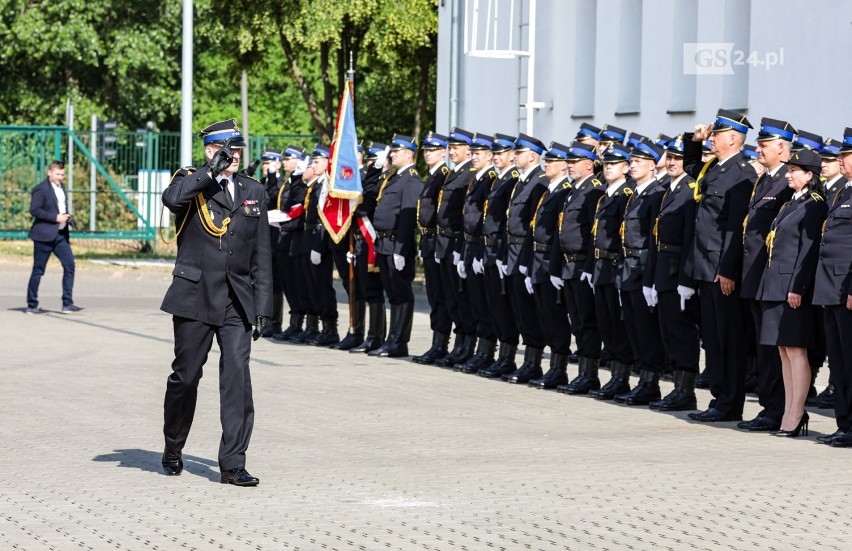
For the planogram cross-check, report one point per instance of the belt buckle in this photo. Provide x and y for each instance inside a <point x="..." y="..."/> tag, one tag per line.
<point x="597" y="254"/>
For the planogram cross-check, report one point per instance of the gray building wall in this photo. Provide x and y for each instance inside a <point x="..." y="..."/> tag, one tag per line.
<point x="621" y="62"/>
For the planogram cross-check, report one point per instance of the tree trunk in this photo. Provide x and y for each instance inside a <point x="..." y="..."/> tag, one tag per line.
<point x="425" y="61"/>
<point x="328" y="88"/>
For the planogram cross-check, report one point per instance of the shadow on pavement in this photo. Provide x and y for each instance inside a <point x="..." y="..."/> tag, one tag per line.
<point x="147" y="460"/>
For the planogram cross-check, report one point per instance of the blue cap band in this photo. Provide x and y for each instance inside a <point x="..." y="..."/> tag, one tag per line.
<point x="405" y="144"/>
<point x="578" y="152"/>
<point x="807" y="142"/>
<point x="459" y="138"/>
<point x="505" y="143"/>
<point x="271" y="156"/>
<point x="783" y="134"/>
<point x="529" y="145"/>
<point x="431" y="142"/>
<point x="644" y="147"/>
<point x="556" y="152"/>
<point x="723" y="121"/>
<point x="221" y="136"/>
<point x="588" y="132"/>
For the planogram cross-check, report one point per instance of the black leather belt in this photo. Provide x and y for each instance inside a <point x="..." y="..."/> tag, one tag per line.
<point x="541" y="247"/>
<point x="388" y="233"/>
<point x="666" y="248"/>
<point x="514" y="240"/>
<point x="574" y="257"/>
<point x="488" y="241"/>
<point x="472" y="238"/>
<point x="428" y="231"/>
<point x="608" y="255"/>
<point x="357" y="236"/>
<point x="633" y="253"/>
<point x="444" y="232"/>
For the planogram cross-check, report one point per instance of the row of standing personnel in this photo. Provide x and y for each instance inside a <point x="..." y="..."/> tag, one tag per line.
<point x="642" y="252"/>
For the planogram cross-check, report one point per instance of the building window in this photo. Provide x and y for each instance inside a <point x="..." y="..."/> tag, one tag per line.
<point x="584" y="45"/>
<point x="630" y="57"/>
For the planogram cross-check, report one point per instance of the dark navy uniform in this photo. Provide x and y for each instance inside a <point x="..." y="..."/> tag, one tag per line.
<point x="320" y="288"/>
<point x="439" y="317"/>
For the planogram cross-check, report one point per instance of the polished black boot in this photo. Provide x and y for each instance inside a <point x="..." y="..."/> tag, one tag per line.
<point x="295" y="327"/>
<point x="440" y="342"/>
<point x="310" y="332"/>
<point x="671" y="395"/>
<point x="703" y="381"/>
<point x="274" y="326"/>
<point x="530" y="369"/>
<point x="375" y="331"/>
<point x="504" y="365"/>
<point x="483" y="357"/>
<point x="556" y="375"/>
<point x="465" y="352"/>
<point x="684" y="395"/>
<point x="327" y="336"/>
<point x="619" y="383"/>
<point x="752" y="379"/>
<point x="404" y="315"/>
<point x="646" y="391"/>
<point x="586" y="381"/>
<point x="459" y="366"/>
<point x="450" y="359"/>
<point x="393" y="333"/>
<point x="355" y="335"/>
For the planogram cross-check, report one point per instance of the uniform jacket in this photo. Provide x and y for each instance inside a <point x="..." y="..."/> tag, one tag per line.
<point x="724" y="196"/>
<point x="674" y="229"/>
<point x="494" y="224"/>
<point x="371" y="182"/>
<point x="427" y="210"/>
<point x="314" y="236"/>
<point x="474" y="203"/>
<point x="396" y="212"/>
<point x="830" y="194"/>
<point x="522" y="204"/>
<point x="640" y="215"/>
<point x="833" y="282"/>
<point x="545" y="225"/>
<point x="294" y="191"/>
<point x="207" y="265"/>
<point x="770" y="192"/>
<point x="45" y="208"/>
<point x="574" y="236"/>
<point x="609" y="216"/>
<point x="793" y="244"/>
<point x="275" y="188"/>
<point x="449" y="218"/>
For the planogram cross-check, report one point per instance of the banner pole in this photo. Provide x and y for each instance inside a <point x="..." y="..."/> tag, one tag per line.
<point x="351" y="83"/>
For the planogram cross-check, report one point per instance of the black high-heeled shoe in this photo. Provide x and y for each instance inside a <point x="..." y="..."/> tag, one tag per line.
<point x="802" y="428"/>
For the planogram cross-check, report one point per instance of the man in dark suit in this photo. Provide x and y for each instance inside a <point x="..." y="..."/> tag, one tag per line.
<point x="50" y="235"/>
<point x="222" y="286"/>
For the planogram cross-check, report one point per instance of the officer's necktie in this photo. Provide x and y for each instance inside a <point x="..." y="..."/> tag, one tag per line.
<point x="228" y="198"/>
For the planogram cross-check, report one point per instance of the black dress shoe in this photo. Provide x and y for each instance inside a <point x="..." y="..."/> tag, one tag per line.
<point x="172" y="463"/>
<point x="763" y="424"/>
<point x="713" y="415"/>
<point x="239" y="477"/>
<point x="844" y="441"/>
<point x="829" y="438"/>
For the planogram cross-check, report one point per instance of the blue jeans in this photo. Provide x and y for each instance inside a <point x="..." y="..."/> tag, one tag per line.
<point x="41" y="254"/>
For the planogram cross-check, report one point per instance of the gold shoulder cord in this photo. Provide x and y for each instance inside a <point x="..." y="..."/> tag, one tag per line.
<point x="535" y="214"/>
<point x="624" y="222"/>
<point x="280" y="193"/>
<point x="656" y="227"/>
<point x="696" y="191"/>
<point x="189" y="170"/>
<point x="753" y="192"/>
<point x="382" y="189"/>
<point x="597" y="208"/>
<point x="770" y="239"/>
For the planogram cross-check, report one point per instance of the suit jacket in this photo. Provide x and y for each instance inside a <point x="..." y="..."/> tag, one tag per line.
<point x="793" y="244"/>
<point x="45" y="208"/>
<point x="609" y="216"/>
<point x="640" y="214"/>
<point x="723" y="196"/>
<point x="472" y="214"/>
<point x="494" y="219"/>
<point x="427" y="209"/>
<point x="522" y="205"/>
<point x="833" y="282"/>
<point x="545" y="226"/>
<point x="574" y="236"/>
<point x="770" y="192"/>
<point x="449" y="217"/>
<point x="675" y="228"/>
<point x="207" y="265"/>
<point x="396" y="211"/>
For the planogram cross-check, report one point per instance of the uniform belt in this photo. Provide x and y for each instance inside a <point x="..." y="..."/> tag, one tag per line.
<point x="428" y="231"/>
<point x="313" y="226"/>
<point x="541" y="247"/>
<point x="574" y="257"/>
<point x="667" y="248"/>
<point x="357" y="236"/>
<point x="472" y="238"/>
<point x="388" y="233"/>
<point x="515" y="240"/>
<point x="634" y="253"/>
<point x="445" y="232"/>
<point x="489" y="242"/>
<point x="608" y="255"/>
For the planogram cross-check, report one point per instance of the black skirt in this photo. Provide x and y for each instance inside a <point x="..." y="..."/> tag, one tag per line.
<point x="785" y="326"/>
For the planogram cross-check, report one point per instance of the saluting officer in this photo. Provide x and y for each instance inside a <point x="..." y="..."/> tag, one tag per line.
<point x="522" y="203"/>
<point x="396" y="223"/>
<point x="449" y="244"/>
<point x="536" y="254"/>
<point x="434" y="154"/>
<point x="677" y="310"/>
<point x="639" y="301"/>
<point x="222" y="286"/>
<point x="833" y="290"/>
<point x="471" y="268"/>
<point x="494" y="239"/>
<point x="770" y="192"/>
<point x="572" y="255"/>
<point x="725" y="183"/>
<point x="606" y="232"/>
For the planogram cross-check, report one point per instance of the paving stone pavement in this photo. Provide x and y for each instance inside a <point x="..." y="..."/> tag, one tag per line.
<point x="362" y="453"/>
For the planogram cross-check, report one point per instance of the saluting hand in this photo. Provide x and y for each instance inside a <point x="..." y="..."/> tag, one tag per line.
<point x="702" y="132"/>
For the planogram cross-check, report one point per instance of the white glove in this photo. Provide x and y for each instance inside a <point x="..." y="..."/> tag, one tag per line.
<point x="528" y="284"/>
<point x="654" y="295"/>
<point x="650" y="299"/>
<point x="523" y="270"/>
<point x="587" y="277"/>
<point x="478" y="267"/>
<point x="273" y="166"/>
<point x="420" y="255"/>
<point x="315" y="258"/>
<point x="460" y="269"/>
<point x="300" y="167"/>
<point x="381" y="158"/>
<point x="398" y="262"/>
<point x="685" y="293"/>
<point x="504" y="270"/>
<point x="350" y="258"/>
<point x="437" y="260"/>
<point x="456" y="258"/>
<point x="557" y="282"/>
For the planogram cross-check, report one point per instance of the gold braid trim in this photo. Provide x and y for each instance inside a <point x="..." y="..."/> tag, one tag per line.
<point x="696" y="191"/>
<point x="597" y="208"/>
<point x="382" y="189"/>
<point x="280" y="193"/>
<point x="538" y="206"/>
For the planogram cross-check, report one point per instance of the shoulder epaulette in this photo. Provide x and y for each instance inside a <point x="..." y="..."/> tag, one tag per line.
<point x="445" y="170"/>
<point x="252" y="178"/>
<point x="492" y="174"/>
<point x="627" y="191"/>
<point x="472" y="169"/>
<point x="183" y="171"/>
<point x="566" y="185"/>
<point x="516" y="174"/>
<point x="413" y="172"/>
<point x="596" y="182"/>
<point x="743" y="164"/>
<point x="816" y="196"/>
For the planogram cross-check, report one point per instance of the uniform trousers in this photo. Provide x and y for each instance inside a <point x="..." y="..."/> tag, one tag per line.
<point x="456" y="298"/>
<point x="679" y="330"/>
<point x="724" y="347"/>
<point x="500" y="307"/>
<point x="439" y="316"/>
<point x="554" y="318"/>
<point x="525" y="312"/>
<point x="643" y="331"/>
<point x="770" y="382"/>
<point x="318" y="287"/>
<point x="479" y="304"/>
<point x="611" y="324"/>
<point x="41" y="254"/>
<point x="338" y="255"/>
<point x="580" y="302"/>
<point x="367" y="283"/>
<point x="838" y="327"/>
<point x="193" y="340"/>
<point x="396" y="283"/>
<point x="290" y="273"/>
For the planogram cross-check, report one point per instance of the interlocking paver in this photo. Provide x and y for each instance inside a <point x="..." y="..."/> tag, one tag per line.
<point x="362" y="453"/>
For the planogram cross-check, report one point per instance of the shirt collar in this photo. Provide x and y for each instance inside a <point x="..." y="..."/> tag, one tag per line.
<point x="833" y="181"/>
<point x="676" y="181"/>
<point x="435" y="168"/>
<point x="775" y="170"/>
<point x="403" y="169"/>
<point x="640" y="188"/>
<point x="726" y="159"/>
<point x="505" y="171"/>
<point x="459" y="166"/>
<point x="483" y="171"/>
<point x="611" y="189"/>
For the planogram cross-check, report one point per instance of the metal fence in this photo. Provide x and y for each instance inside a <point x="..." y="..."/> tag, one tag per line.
<point x="114" y="179"/>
